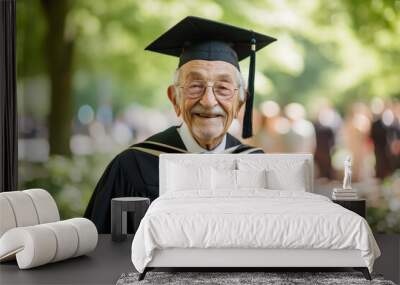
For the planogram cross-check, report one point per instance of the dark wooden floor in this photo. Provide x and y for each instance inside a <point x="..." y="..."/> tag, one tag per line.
<point x="389" y="262"/>
<point x="110" y="260"/>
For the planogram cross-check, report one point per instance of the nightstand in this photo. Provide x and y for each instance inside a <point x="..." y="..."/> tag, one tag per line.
<point x="119" y="209"/>
<point x="358" y="206"/>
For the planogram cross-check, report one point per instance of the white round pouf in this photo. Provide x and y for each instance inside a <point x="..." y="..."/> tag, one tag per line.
<point x="40" y="244"/>
<point x="45" y="205"/>
<point x="87" y="233"/>
<point x="33" y="246"/>
<point x="7" y="218"/>
<point x="31" y="232"/>
<point x="23" y="208"/>
<point x="67" y="240"/>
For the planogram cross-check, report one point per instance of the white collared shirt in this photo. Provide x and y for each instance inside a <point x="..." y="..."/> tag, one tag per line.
<point x="193" y="147"/>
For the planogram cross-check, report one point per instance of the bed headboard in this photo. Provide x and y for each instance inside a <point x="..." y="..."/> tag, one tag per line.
<point x="212" y="159"/>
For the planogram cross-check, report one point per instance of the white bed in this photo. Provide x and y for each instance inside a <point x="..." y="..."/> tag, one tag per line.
<point x="202" y="226"/>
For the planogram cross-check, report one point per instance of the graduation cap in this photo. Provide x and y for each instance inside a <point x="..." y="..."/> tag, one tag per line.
<point x="196" y="38"/>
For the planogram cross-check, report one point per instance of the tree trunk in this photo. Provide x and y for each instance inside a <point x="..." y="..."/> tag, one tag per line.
<point x="59" y="55"/>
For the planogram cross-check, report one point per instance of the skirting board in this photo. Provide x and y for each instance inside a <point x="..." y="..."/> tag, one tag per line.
<point x="234" y="257"/>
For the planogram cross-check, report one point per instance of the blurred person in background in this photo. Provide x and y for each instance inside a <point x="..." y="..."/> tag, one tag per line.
<point x="385" y="134"/>
<point x="269" y="136"/>
<point x="395" y="145"/>
<point x="300" y="137"/>
<point x="326" y="124"/>
<point x="355" y="136"/>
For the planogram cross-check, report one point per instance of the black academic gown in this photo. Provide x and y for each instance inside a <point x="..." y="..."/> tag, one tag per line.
<point x="134" y="172"/>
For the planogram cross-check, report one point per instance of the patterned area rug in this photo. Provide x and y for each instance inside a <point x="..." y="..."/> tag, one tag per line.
<point x="230" y="278"/>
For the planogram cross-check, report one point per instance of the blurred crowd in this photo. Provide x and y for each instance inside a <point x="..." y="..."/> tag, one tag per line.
<point x="370" y="133"/>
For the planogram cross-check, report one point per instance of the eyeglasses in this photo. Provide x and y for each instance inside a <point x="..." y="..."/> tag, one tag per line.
<point x="196" y="89"/>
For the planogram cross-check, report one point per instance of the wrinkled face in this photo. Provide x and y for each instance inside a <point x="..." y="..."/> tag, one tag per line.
<point x="208" y="117"/>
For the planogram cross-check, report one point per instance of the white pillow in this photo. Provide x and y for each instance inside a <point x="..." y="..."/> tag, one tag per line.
<point x="201" y="160"/>
<point x="228" y="179"/>
<point x="251" y="178"/>
<point x="285" y="174"/>
<point x="181" y="177"/>
<point x="223" y="179"/>
<point x="295" y="180"/>
<point x="279" y="181"/>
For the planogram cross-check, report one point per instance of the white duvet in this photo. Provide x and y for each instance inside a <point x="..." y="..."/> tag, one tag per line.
<point x="252" y="218"/>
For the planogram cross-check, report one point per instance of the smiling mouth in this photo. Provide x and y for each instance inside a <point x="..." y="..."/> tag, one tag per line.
<point x="208" y="116"/>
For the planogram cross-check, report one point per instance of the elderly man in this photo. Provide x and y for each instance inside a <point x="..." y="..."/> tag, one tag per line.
<point x="208" y="93"/>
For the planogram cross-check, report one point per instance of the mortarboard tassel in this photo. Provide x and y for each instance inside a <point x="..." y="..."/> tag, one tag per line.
<point x="248" y="113"/>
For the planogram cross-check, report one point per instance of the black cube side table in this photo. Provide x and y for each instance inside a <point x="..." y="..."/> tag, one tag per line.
<point x="119" y="208"/>
<point x="358" y="206"/>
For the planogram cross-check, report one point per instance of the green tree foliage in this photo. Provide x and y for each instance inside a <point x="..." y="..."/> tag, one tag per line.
<point x="341" y="50"/>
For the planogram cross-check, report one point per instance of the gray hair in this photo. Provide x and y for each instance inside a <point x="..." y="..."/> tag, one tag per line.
<point x="239" y="78"/>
